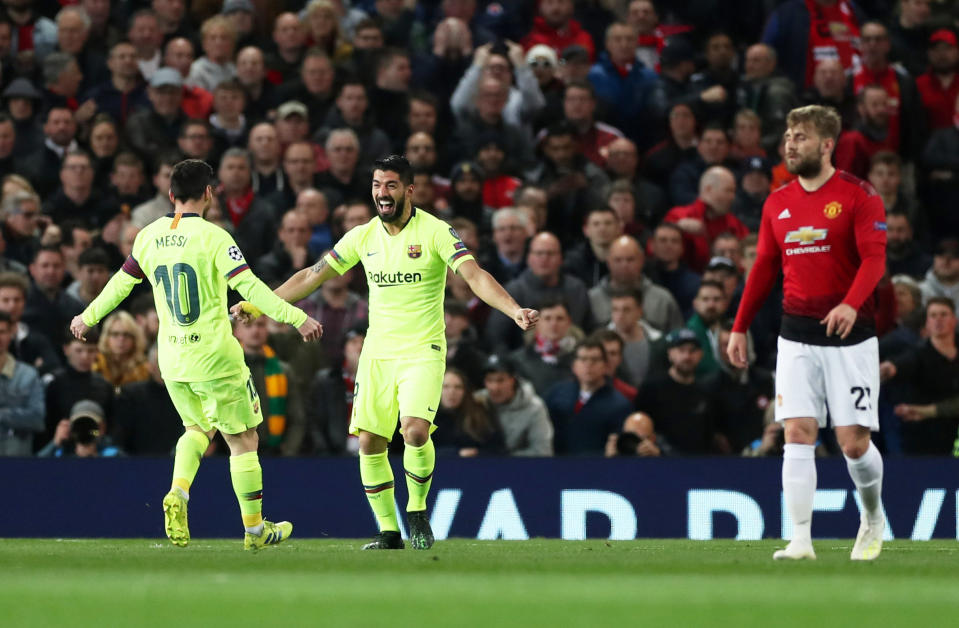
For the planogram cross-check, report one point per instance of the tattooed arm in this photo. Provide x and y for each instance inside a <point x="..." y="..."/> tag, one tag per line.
<point x="306" y="281"/>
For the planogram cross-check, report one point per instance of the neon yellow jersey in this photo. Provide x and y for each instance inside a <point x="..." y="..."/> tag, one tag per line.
<point x="406" y="274"/>
<point x="190" y="262"/>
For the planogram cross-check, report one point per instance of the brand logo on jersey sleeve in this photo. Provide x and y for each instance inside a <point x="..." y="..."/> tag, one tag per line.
<point x="832" y="210"/>
<point x="414" y="251"/>
<point x="785" y="214"/>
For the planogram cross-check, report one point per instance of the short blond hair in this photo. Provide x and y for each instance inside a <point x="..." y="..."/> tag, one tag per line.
<point x="825" y="120"/>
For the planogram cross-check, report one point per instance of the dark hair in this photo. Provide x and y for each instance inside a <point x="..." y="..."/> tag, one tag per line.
<point x="886" y="158"/>
<point x="75" y="152"/>
<point x="581" y="84"/>
<point x="46" y="118"/>
<point x="190" y="179"/>
<point x="476" y="419"/>
<point x="627" y="293"/>
<point x="126" y="158"/>
<point x="352" y="82"/>
<point x="716" y="126"/>
<point x="600" y="209"/>
<point x="142" y="304"/>
<point x="194" y="122"/>
<point x="899" y="214"/>
<point x="590" y="343"/>
<point x="387" y="55"/>
<point x="726" y="324"/>
<point x="46" y="248"/>
<point x="6" y="318"/>
<point x="608" y="335"/>
<point x="668" y="225"/>
<point x="66" y="230"/>
<point x="425" y="97"/>
<point x="230" y="85"/>
<point x="4" y="118"/>
<point x="93" y="256"/>
<point x="710" y="283"/>
<point x="945" y="301"/>
<point x="11" y="279"/>
<point x="550" y="302"/>
<point x="397" y="164"/>
<point x="559" y="129"/>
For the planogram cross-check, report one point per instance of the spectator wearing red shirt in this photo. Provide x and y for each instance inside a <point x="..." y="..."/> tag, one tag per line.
<point x="498" y="187"/>
<point x="905" y="120"/>
<point x="707" y="216"/>
<point x="579" y="109"/>
<point x="556" y="28"/>
<point x="856" y="147"/>
<point x="939" y="87"/>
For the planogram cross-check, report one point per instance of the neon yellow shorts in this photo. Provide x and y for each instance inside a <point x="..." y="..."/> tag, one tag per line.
<point x="228" y="404"/>
<point x="385" y="390"/>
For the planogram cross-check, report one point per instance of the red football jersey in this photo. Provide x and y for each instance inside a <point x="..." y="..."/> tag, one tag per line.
<point x="830" y="244"/>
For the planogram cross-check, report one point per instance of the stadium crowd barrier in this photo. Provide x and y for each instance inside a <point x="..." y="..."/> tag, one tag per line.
<point x="569" y="498"/>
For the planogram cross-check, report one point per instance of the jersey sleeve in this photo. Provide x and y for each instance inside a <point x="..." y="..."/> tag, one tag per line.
<point x="763" y="275"/>
<point x="117" y="289"/>
<point x="346" y="253"/>
<point x="870" y="231"/>
<point x="228" y="258"/>
<point x="448" y="245"/>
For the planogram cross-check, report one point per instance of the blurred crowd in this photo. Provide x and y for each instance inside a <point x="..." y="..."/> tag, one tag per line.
<point x="606" y="160"/>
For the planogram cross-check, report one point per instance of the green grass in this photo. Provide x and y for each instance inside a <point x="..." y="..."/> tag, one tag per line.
<point x="147" y="582"/>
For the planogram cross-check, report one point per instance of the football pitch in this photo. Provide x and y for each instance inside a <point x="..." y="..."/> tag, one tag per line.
<point x="148" y="582"/>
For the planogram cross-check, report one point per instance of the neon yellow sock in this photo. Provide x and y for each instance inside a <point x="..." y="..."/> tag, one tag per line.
<point x="247" y="479"/>
<point x="189" y="452"/>
<point x="419" y="463"/>
<point x="377" y="477"/>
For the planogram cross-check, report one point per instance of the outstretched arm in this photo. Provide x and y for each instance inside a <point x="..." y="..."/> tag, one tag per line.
<point x="109" y="298"/>
<point x="306" y="281"/>
<point x="489" y="290"/>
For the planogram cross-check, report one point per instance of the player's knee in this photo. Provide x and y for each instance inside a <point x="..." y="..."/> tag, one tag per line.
<point x="854" y="449"/>
<point x="371" y="444"/>
<point x="416" y="435"/>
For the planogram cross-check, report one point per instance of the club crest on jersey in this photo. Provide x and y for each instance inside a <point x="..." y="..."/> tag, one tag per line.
<point x="831" y="210"/>
<point x="414" y="251"/>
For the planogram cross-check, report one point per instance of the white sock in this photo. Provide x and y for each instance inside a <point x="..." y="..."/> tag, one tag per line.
<point x="866" y="474"/>
<point x="255" y="530"/>
<point x="799" y="487"/>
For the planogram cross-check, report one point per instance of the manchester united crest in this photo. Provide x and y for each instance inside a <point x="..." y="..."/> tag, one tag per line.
<point x="831" y="210"/>
<point x="414" y="251"/>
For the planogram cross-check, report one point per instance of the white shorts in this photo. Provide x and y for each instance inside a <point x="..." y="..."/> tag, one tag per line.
<point x="810" y="378"/>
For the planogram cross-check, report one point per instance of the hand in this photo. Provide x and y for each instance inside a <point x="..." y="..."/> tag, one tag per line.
<point x="887" y="370"/>
<point x="310" y="330"/>
<point x="840" y="320"/>
<point x="526" y="318"/>
<point x="716" y="93"/>
<point x="62" y="433"/>
<point x="78" y="328"/>
<point x="85" y="112"/>
<point x="736" y="349"/>
<point x="648" y="448"/>
<point x="693" y="226"/>
<point x="481" y="54"/>
<point x="245" y="312"/>
<point x="911" y="412"/>
<point x="514" y="52"/>
<point x="610" y="450"/>
<point x="469" y="452"/>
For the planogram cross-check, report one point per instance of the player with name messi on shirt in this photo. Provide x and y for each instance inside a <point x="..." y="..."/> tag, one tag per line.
<point x="405" y="253"/>
<point x="827" y="232"/>
<point x="190" y="262"/>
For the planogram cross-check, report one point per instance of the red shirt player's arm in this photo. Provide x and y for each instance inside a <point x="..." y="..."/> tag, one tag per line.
<point x="763" y="275"/>
<point x="870" y="228"/>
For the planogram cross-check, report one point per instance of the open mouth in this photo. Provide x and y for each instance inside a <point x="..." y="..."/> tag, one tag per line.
<point x="385" y="204"/>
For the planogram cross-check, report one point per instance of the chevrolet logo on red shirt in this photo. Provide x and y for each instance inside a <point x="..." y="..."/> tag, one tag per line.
<point x="806" y="235"/>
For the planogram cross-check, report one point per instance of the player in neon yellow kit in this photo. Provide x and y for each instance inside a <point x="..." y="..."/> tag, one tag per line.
<point x="405" y="253"/>
<point x="190" y="262"/>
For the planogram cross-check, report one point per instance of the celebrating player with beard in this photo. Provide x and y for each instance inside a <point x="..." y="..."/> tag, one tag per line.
<point x="827" y="232"/>
<point x="405" y="253"/>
